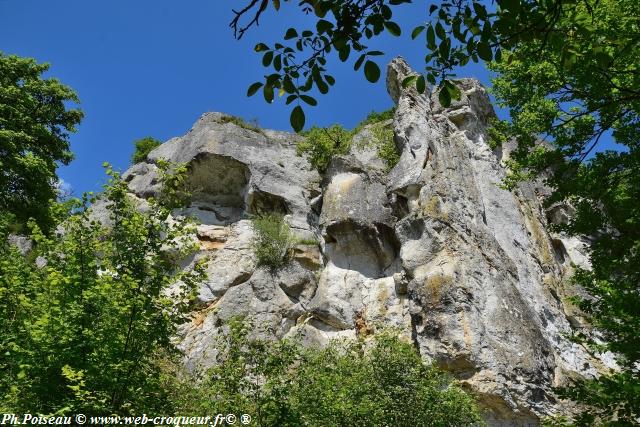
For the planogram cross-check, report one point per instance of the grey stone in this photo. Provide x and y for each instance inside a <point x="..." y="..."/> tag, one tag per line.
<point x="434" y="248"/>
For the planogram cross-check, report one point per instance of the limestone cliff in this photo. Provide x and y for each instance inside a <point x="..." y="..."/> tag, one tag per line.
<point x="466" y="270"/>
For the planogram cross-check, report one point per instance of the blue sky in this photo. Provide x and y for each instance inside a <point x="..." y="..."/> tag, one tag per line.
<point x="152" y="67"/>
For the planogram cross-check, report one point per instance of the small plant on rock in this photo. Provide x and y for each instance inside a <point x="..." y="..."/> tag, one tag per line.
<point x="143" y="147"/>
<point x="322" y="144"/>
<point x="273" y="240"/>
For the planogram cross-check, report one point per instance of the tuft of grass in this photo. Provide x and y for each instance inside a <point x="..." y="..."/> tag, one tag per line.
<point x="307" y="241"/>
<point x="239" y="121"/>
<point x="273" y="240"/>
<point x="375" y="117"/>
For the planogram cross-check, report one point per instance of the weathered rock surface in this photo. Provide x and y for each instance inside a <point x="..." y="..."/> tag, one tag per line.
<point x="435" y="248"/>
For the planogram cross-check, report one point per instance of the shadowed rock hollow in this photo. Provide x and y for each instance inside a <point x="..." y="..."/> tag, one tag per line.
<point x="466" y="270"/>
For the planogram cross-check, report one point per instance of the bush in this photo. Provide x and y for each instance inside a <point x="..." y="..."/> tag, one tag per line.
<point x="322" y="144"/>
<point x="273" y="240"/>
<point x="143" y="147"/>
<point x="377" y="382"/>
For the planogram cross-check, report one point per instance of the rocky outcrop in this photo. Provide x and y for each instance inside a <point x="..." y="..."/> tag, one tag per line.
<point x="435" y="248"/>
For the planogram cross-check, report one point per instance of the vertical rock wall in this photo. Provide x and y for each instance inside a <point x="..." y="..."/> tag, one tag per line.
<point x="434" y="248"/>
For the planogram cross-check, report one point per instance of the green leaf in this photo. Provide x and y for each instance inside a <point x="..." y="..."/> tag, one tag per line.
<point x="267" y="58"/>
<point x="297" y="118"/>
<point x="444" y="97"/>
<point x="420" y="84"/>
<point x="393" y="28"/>
<point x="291" y="34"/>
<point x="254" y="88"/>
<point x="498" y="55"/>
<point x="260" y="47"/>
<point x="330" y="79"/>
<point x="444" y="49"/>
<point x="416" y="31"/>
<point x="408" y="81"/>
<point x="510" y="5"/>
<point x="484" y="51"/>
<point x="322" y="26"/>
<point x="440" y="31"/>
<point x="343" y="53"/>
<point x="431" y="38"/>
<point x="276" y="4"/>
<point x="359" y="62"/>
<point x="267" y="92"/>
<point x="371" y="71"/>
<point x="480" y="11"/>
<point x="309" y="100"/>
<point x="454" y="91"/>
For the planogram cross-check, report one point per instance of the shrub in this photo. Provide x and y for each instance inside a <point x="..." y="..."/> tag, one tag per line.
<point x="143" y="147"/>
<point x="322" y="144"/>
<point x="382" y="139"/>
<point x="273" y="240"/>
<point x="381" y="381"/>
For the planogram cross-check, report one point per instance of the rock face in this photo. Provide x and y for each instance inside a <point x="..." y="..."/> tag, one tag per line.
<point x="434" y="247"/>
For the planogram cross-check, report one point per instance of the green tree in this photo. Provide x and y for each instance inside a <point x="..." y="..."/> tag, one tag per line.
<point x="143" y="147"/>
<point x="90" y="311"/>
<point x="573" y="100"/>
<point x="381" y="381"/>
<point x="35" y="123"/>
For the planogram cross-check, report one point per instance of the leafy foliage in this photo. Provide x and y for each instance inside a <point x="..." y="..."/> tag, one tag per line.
<point x="454" y="33"/>
<point x="86" y="314"/>
<point x="573" y="93"/>
<point x="143" y="147"/>
<point x="273" y="240"/>
<point x="366" y="383"/>
<point x="322" y="144"/>
<point x="382" y="139"/>
<point x="238" y="121"/>
<point x="35" y="123"/>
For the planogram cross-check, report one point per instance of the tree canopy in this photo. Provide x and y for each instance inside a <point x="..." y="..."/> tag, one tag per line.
<point x="35" y="123"/>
